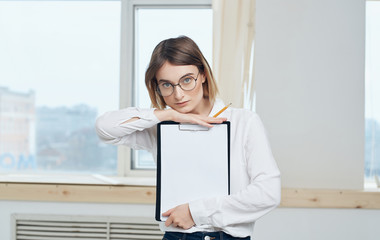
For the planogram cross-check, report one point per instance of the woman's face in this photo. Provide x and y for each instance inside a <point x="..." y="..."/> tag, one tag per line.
<point x="182" y="101"/>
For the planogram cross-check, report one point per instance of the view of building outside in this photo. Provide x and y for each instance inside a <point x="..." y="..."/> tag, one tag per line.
<point x="50" y="139"/>
<point x="58" y="73"/>
<point x="17" y="130"/>
<point x="66" y="140"/>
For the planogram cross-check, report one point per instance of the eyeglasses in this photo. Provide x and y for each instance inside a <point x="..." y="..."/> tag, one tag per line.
<point x="186" y="83"/>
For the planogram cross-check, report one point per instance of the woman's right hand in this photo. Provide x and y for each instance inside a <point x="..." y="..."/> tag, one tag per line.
<point x="172" y="115"/>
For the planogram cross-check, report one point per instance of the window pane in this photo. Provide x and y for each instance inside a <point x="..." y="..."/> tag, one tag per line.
<point x="372" y="85"/>
<point x="151" y="27"/>
<point x="59" y="70"/>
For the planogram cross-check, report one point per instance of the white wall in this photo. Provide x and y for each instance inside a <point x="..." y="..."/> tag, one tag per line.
<point x="319" y="224"/>
<point x="310" y="89"/>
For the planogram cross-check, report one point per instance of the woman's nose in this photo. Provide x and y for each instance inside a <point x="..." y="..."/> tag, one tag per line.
<point x="178" y="92"/>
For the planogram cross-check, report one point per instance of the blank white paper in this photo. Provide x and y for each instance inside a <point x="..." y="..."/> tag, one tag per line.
<point x="194" y="164"/>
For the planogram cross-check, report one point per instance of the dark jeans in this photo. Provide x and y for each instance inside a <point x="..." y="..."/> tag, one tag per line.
<point x="201" y="236"/>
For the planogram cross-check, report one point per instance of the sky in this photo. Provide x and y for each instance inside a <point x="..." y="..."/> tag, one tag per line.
<point x="68" y="52"/>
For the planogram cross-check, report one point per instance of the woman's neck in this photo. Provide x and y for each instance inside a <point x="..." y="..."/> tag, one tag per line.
<point x="204" y="108"/>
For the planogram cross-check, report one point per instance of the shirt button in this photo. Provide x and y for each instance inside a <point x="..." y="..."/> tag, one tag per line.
<point x="207" y="238"/>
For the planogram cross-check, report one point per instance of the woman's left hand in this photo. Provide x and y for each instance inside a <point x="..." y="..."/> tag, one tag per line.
<point x="179" y="216"/>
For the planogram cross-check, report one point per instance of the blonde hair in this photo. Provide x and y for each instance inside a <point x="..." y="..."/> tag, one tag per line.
<point x="178" y="51"/>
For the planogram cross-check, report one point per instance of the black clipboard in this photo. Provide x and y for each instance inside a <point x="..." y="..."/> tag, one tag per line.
<point x="193" y="162"/>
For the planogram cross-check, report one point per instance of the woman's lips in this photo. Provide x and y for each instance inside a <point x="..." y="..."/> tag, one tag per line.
<point x="181" y="104"/>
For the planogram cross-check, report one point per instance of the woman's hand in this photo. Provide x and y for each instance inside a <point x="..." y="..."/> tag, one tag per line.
<point x="196" y="119"/>
<point x="173" y="115"/>
<point x="179" y="216"/>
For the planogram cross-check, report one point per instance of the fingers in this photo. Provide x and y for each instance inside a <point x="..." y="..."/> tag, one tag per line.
<point x="203" y="123"/>
<point x="168" y="212"/>
<point x="188" y="226"/>
<point x="197" y="119"/>
<point x="172" y="221"/>
<point x="207" y="121"/>
<point x="216" y="120"/>
<point x="179" y="216"/>
<point x="169" y="221"/>
<point x="170" y="218"/>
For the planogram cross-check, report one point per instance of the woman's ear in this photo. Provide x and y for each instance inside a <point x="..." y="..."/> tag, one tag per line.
<point x="203" y="78"/>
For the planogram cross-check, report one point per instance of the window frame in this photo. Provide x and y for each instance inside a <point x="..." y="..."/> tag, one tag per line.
<point x="127" y="67"/>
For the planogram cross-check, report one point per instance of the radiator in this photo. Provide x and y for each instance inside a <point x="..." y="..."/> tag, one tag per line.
<point x="64" y="227"/>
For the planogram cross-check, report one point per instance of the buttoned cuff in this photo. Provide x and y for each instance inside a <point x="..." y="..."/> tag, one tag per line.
<point x="198" y="212"/>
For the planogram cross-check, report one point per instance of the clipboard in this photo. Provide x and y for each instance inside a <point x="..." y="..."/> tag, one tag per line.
<point x="193" y="162"/>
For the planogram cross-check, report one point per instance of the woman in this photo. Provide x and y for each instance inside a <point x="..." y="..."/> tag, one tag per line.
<point x="182" y="89"/>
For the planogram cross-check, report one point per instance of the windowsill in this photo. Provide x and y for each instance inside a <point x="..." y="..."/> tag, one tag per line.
<point x="371" y="185"/>
<point x="93" y="179"/>
<point x="92" y="189"/>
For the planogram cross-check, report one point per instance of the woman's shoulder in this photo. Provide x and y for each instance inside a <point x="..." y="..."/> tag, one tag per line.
<point x="246" y="122"/>
<point x="243" y="113"/>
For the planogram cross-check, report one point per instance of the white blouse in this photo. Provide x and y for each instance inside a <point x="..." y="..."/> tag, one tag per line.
<point x="255" y="177"/>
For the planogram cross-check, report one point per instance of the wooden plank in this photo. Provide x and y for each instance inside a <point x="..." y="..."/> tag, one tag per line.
<point x="303" y="198"/>
<point x="77" y="193"/>
<point x="322" y="198"/>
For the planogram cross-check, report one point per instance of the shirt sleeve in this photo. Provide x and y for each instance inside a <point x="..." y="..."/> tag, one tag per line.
<point x="139" y="134"/>
<point x="262" y="194"/>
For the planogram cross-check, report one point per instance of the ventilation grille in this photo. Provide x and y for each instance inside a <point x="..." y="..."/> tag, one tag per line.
<point x="43" y="227"/>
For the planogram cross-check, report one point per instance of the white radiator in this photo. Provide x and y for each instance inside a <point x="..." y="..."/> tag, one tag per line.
<point x="61" y="227"/>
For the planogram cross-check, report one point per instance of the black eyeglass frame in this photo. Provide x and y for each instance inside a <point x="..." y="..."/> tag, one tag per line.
<point x="178" y="84"/>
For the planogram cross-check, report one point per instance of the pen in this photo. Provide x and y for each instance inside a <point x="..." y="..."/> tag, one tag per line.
<point x="217" y="114"/>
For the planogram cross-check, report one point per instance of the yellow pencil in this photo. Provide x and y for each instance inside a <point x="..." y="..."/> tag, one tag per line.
<point x="217" y="114"/>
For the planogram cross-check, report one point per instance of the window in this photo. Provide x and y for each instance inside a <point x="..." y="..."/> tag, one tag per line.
<point x="61" y="69"/>
<point x="152" y="24"/>
<point x="372" y="88"/>
<point x="60" y="63"/>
